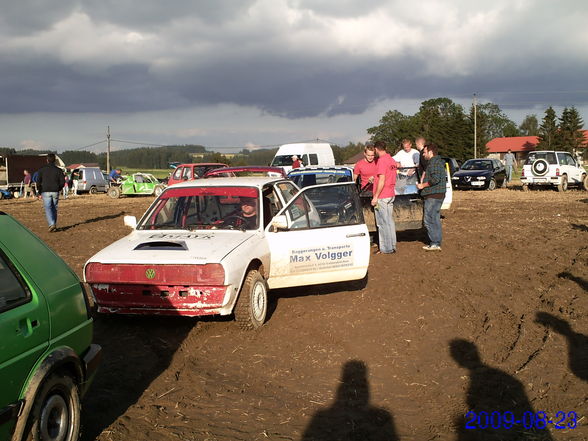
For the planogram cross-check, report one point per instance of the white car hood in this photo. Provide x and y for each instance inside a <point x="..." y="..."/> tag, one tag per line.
<point x="172" y="247"/>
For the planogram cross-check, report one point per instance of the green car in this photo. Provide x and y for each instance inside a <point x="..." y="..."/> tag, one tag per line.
<point x="136" y="184"/>
<point x="47" y="359"/>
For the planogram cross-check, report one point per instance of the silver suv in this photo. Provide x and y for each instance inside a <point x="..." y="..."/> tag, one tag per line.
<point x="558" y="169"/>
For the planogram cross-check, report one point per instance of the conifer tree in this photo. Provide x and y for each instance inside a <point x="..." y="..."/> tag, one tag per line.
<point x="549" y="135"/>
<point x="570" y="128"/>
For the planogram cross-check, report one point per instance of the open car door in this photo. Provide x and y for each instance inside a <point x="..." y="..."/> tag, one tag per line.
<point x="319" y="237"/>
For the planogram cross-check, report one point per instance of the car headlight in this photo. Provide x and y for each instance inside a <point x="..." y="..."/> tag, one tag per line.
<point x="455" y="178"/>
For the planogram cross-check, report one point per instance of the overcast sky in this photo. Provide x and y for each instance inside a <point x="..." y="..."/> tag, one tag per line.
<point x="239" y="73"/>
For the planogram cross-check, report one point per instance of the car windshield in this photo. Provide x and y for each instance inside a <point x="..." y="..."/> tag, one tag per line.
<point x="196" y="208"/>
<point x="476" y="164"/>
<point x="305" y="178"/>
<point x="548" y="156"/>
<point x="406" y="181"/>
<point x="282" y="160"/>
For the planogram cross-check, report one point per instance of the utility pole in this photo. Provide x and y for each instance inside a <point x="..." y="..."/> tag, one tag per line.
<point x="108" y="151"/>
<point x="475" y="128"/>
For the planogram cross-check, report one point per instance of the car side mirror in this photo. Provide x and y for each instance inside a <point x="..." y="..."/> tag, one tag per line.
<point x="280" y="223"/>
<point x="130" y="221"/>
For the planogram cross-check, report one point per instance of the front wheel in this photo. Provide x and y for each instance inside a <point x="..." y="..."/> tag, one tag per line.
<point x="93" y="190"/>
<point x="492" y="184"/>
<point x="563" y="185"/>
<point x="114" y="192"/>
<point x="251" y="308"/>
<point x="55" y="415"/>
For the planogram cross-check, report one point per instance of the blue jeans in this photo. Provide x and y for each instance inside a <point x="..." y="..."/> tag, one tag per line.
<point x="386" y="227"/>
<point x="50" y="201"/>
<point x="508" y="170"/>
<point x="432" y="218"/>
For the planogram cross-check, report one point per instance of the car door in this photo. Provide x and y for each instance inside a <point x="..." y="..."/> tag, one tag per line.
<point x="24" y="328"/>
<point x="319" y="237"/>
<point x="571" y="168"/>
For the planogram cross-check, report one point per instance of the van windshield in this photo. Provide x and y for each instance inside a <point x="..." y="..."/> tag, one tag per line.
<point x="283" y="160"/>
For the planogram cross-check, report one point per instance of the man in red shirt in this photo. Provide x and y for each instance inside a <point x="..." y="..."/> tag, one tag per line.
<point x="296" y="163"/>
<point x="366" y="168"/>
<point x="383" y="198"/>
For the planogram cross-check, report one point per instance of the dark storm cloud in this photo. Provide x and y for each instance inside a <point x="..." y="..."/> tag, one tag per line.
<point x="24" y="17"/>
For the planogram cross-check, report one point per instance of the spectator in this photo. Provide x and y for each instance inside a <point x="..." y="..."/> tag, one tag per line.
<point x="66" y="186"/>
<point x="433" y="191"/>
<point x="365" y="169"/>
<point x="74" y="181"/>
<point x="383" y="199"/>
<point x="51" y="181"/>
<point x="34" y="187"/>
<point x="407" y="158"/>
<point x="27" y="181"/>
<point x="420" y="145"/>
<point x="296" y="163"/>
<point x="510" y="163"/>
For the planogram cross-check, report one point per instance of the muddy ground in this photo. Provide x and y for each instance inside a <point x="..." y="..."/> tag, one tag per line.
<point x="394" y="360"/>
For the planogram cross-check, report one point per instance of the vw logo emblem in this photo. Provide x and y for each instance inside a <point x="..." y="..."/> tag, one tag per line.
<point x="150" y="273"/>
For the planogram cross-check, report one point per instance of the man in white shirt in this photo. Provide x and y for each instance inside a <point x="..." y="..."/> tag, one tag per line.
<point x="407" y="157"/>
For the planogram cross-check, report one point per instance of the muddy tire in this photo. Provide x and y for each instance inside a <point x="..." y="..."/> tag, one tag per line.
<point x="55" y="414"/>
<point x="492" y="184"/>
<point x="251" y="308"/>
<point x="93" y="190"/>
<point x="584" y="185"/>
<point x="525" y="187"/>
<point x="114" y="192"/>
<point x="158" y="190"/>
<point x="563" y="185"/>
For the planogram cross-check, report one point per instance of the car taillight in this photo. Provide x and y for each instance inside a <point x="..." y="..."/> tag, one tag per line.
<point x="557" y="172"/>
<point x="209" y="274"/>
<point x="522" y="172"/>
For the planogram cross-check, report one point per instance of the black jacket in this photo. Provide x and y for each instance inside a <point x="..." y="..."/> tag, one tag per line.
<point x="50" y="179"/>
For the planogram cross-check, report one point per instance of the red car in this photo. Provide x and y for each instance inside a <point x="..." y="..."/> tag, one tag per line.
<point x="246" y="170"/>
<point x="188" y="172"/>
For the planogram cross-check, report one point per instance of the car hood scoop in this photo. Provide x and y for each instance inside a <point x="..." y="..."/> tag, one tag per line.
<point x="162" y="245"/>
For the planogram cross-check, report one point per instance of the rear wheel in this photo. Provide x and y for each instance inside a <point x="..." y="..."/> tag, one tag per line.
<point x="55" y="415"/>
<point x="114" y="192"/>
<point x="563" y="184"/>
<point x="158" y="190"/>
<point x="93" y="190"/>
<point x="251" y="308"/>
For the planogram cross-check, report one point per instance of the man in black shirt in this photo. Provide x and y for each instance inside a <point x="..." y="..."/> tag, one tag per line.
<point x="50" y="183"/>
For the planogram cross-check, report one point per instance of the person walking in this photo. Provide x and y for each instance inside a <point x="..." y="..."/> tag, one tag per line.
<point x="510" y="163"/>
<point x="433" y="192"/>
<point x="50" y="182"/>
<point x="383" y="199"/>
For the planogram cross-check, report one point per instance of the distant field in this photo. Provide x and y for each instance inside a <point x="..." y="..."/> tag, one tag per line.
<point x="158" y="173"/>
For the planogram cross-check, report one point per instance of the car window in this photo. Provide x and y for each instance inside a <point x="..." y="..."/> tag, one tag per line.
<point x="187" y="173"/>
<point x="287" y="190"/>
<point x="570" y="160"/>
<point x="177" y="173"/>
<point x="324" y="206"/>
<point x="13" y="291"/>
<point x="313" y="159"/>
<point x="138" y="179"/>
<point x="271" y="204"/>
<point x="548" y="156"/>
<point x="406" y="181"/>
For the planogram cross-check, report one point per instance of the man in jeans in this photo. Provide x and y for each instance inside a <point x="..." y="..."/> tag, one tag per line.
<point x="383" y="198"/>
<point x="50" y="182"/>
<point x="433" y="191"/>
<point x="510" y="163"/>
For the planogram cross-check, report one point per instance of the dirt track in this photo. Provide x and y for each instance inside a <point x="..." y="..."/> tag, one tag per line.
<point x="389" y="361"/>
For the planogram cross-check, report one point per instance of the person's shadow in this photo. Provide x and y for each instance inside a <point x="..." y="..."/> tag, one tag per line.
<point x="351" y="417"/>
<point x="577" y="343"/>
<point x="492" y="390"/>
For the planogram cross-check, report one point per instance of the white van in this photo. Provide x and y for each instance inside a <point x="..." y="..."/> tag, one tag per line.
<point x="312" y="153"/>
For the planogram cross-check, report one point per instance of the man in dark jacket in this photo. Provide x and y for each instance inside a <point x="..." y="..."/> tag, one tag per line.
<point x="50" y="182"/>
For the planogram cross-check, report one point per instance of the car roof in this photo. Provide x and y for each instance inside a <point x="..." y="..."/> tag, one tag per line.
<point x="318" y="169"/>
<point x="245" y="181"/>
<point x="246" y="168"/>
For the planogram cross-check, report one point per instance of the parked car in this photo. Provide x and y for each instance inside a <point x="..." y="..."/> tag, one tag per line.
<point x="452" y="163"/>
<point x="484" y="174"/>
<point x="188" y="172"/>
<point x="47" y="359"/>
<point x="136" y="184"/>
<point x="246" y="170"/>
<point x="198" y="250"/>
<point x="551" y="168"/>
<point x="90" y="180"/>
<point x="311" y="154"/>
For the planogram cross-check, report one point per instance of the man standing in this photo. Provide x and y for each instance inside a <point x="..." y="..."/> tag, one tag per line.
<point x="296" y="163"/>
<point x="407" y="157"/>
<point x="433" y="191"/>
<point x="420" y="145"/>
<point x="510" y="162"/>
<point x="383" y="199"/>
<point x="115" y="175"/>
<point x="27" y="180"/>
<point x="50" y="182"/>
<point x="366" y="169"/>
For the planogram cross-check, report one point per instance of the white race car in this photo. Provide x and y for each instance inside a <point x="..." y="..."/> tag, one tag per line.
<point x="217" y="246"/>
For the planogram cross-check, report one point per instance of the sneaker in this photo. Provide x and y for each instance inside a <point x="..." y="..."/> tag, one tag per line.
<point x="52" y="228"/>
<point x="432" y="248"/>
